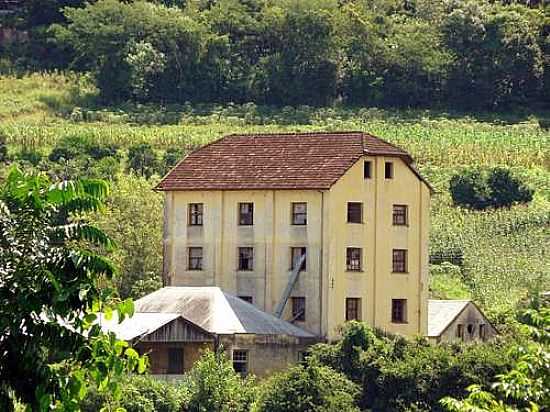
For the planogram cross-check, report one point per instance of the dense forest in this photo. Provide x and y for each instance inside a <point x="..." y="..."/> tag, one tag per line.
<point x="469" y="54"/>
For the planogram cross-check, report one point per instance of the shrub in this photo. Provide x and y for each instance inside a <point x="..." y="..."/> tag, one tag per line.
<point x="139" y="394"/>
<point x="469" y="189"/>
<point x="478" y="189"/>
<point x="171" y="157"/>
<point x="396" y="374"/>
<point x="507" y="189"/>
<point x="69" y="148"/>
<point x="305" y="388"/>
<point x="142" y="391"/>
<point x="214" y="386"/>
<point x="142" y="159"/>
<point x="30" y="155"/>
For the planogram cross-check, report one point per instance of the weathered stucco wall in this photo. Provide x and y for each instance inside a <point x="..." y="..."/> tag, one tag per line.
<point x="326" y="283"/>
<point x="470" y="319"/>
<point x="376" y="285"/>
<point x="266" y="354"/>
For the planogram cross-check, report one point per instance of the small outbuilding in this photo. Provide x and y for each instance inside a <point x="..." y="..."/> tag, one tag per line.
<point x="174" y="324"/>
<point x="457" y="320"/>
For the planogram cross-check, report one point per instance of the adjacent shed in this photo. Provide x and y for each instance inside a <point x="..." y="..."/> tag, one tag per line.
<point x="174" y="324"/>
<point x="457" y="320"/>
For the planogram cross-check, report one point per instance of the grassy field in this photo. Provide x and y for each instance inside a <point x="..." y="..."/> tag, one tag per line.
<point x="505" y="252"/>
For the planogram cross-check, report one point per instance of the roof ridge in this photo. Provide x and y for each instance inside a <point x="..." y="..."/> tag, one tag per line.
<point x="313" y="133"/>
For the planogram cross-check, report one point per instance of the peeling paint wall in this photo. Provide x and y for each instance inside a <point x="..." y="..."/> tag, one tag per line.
<point x="325" y="284"/>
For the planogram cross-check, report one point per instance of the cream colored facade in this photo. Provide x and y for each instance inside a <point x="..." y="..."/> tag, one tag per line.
<point x="326" y="283"/>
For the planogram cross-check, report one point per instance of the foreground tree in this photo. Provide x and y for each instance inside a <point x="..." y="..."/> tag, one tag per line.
<point x="51" y="285"/>
<point x="526" y="387"/>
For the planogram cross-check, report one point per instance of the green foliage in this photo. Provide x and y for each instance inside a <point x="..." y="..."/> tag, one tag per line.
<point x="313" y="52"/>
<point x="134" y="217"/>
<point x="305" y="388"/>
<point x="446" y="282"/>
<point x="527" y="385"/>
<point x="171" y="157"/>
<point x="143" y="160"/>
<point x="138" y="394"/>
<point x="423" y="373"/>
<point x="214" y="386"/>
<point x="50" y="292"/>
<point x="477" y="189"/>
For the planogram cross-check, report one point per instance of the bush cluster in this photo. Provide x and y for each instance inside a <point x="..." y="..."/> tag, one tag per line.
<point x="78" y="156"/>
<point x="314" y="52"/>
<point x="480" y="189"/>
<point x="396" y="374"/>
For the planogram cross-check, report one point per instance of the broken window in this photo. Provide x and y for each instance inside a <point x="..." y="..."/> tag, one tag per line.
<point x="353" y="259"/>
<point x="299" y="309"/>
<point x="355" y="212"/>
<point x="400" y="217"/>
<point x="246" y="258"/>
<point x="195" y="214"/>
<point x="240" y="361"/>
<point x="399" y="310"/>
<point x="299" y="213"/>
<point x="296" y="254"/>
<point x="195" y="258"/>
<point x="353" y="309"/>
<point x="399" y="261"/>
<point x="246" y="214"/>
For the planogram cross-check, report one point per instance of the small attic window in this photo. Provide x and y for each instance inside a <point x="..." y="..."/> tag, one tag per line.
<point x="367" y="170"/>
<point x="388" y="170"/>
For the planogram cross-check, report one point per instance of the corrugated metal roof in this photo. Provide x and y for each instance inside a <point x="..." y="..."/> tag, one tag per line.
<point x="441" y="313"/>
<point x="138" y="325"/>
<point x="215" y="311"/>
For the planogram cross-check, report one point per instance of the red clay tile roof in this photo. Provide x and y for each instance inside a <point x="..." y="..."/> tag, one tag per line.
<point x="275" y="161"/>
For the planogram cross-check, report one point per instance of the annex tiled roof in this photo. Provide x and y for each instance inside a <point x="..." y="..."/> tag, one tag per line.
<point x="276" y="161"/>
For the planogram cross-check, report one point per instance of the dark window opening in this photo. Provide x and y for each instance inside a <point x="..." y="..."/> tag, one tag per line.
<point x="296" y="255"/>
<point x="240" y="361"/>
<point x="246" y="214"/>
<point x="195" y="214"/>
<point x="399" y="310"/>
<point x="399" y="260"/>
<point x="246" y="258"/>
<point x="246" y="298"/>
<point x="299" y="309"/>
<point x="400" y="215"/>
<point x="195" y="258"/>
<point x="175" y="361"/>
<point x="355" y="212"/>
<point x="470" y="329"/>
<point x="388" y="170"/>
<point x="299" y="213"/>
<point x="353" y="259"/>
<point x="460" y="331"/>
<point x="482" y="331"/>
<point x="353" y="309"/>
<point x="367" y="170"/>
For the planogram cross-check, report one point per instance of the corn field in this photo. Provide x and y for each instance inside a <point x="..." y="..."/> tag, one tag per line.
<point x="504" y="252"/>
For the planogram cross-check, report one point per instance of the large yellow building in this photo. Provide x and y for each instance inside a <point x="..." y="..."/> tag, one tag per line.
<point x="241" y="211"/>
